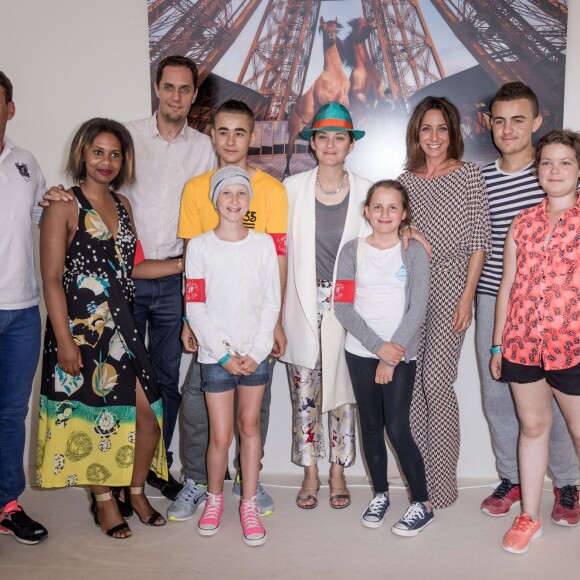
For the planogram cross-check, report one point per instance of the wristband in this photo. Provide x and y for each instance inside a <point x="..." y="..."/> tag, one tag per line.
<point x="184" y="319"/>
<point x="495" y="349"/>
<point x="224" y="359"/>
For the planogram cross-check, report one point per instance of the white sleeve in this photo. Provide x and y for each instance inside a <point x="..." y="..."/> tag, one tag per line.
<point x="200" y="321"/>
<point x="264" y="337"/>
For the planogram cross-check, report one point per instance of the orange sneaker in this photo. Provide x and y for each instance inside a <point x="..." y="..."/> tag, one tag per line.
<point x="524" y="529"/>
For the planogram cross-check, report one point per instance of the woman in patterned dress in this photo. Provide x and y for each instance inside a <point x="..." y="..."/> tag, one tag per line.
<point x="449" y="205"/>
<point x="101" y="407"/>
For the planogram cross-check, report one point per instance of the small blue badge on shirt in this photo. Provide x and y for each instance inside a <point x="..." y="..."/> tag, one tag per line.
<point x="23" y="170"/>
<point x="401" y="274"/>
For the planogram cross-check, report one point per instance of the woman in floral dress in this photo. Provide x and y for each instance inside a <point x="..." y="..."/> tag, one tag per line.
<point x="100" y="410"/>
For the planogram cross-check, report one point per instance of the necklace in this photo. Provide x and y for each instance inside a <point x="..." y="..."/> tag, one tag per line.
<point x="337" y="190"/>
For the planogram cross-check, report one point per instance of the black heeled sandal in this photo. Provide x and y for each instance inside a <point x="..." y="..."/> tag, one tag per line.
<point x="95" y="498"/>
<point x="124" y="504"/>
<point x="155" y="518"/>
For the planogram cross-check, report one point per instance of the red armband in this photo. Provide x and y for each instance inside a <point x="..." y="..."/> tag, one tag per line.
<point x="139" y="254"/>
<point x="344" y="291"/>
<point x="280" y="243"/>
<point x="195" y="290"/>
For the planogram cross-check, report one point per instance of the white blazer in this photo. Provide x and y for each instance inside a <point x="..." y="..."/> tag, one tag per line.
<point x="300" y="318"/>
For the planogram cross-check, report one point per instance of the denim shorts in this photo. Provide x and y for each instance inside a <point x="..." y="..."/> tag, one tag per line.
<point x="215" y="379"/>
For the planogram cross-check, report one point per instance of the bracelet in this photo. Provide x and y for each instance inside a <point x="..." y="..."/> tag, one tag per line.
<point x="495" y="349"/>
<point x="184" y="319"/>
<point x="224" y="359"/>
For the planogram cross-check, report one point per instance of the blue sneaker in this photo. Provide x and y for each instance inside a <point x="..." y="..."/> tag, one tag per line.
<point x="263" y="499"/>
<point x="373" y="516"/>
<point x="187" y="501"/>
<point x="416" y="518"/>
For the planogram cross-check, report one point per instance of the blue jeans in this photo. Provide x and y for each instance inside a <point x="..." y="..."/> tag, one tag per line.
<point x="19" y="350"/>
<point x="158" y="309"/>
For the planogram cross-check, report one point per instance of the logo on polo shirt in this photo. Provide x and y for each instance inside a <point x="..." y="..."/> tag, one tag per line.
<point x="23" y="170"/>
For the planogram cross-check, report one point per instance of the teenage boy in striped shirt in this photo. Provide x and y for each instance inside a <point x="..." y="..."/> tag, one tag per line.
<point x="512" y="186"/>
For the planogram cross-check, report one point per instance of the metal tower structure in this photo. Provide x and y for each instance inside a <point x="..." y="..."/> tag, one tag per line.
<point x="203" y="30"/>
<point x="514" y="40"/>
<point x="402" y="48"/>
<point x="277" y="61"/>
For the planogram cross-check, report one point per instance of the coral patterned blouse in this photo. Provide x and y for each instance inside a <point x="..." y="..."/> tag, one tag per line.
<point x="543" y="317"/>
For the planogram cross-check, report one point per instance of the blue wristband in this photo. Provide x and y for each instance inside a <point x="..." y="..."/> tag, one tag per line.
<point x="224" y="359"/>
<point x="184" y="319"/>
<point x="495" y="349"/>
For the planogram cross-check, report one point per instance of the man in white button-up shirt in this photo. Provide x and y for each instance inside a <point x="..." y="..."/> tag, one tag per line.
<point x="167" y="153"/>
<point x="21" y="187"/>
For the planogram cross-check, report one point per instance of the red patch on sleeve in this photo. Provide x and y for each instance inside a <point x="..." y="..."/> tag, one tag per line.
<point x="280" y="243"/>
<point x="195" y="290"/>
<point x="139" y="254"/>
<point x="344" y="291"/>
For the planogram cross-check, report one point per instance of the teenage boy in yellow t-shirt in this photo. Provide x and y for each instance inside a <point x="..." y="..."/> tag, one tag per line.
<point x="232" y="132"/>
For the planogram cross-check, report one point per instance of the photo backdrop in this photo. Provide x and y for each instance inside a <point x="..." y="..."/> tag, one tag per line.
<point x="286" y="58"/>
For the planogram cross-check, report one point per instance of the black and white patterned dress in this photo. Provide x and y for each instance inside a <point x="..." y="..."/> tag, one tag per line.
<point x="86" y="432"/>
<point x="452" y="212"/>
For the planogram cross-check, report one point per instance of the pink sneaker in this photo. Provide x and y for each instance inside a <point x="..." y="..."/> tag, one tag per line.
<point x="254" y="532"/>
<point x="505" y="496"/>
<point x="517" y="539"/>
<point x="209" y="523"/>
<point x="566" y="510"/>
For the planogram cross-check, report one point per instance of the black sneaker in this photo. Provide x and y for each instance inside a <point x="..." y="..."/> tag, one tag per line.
<point x="415" y="520"/>
<point x="16" y="523"/>
<point x="169" y="488"/>
<point x="373" y="516"/>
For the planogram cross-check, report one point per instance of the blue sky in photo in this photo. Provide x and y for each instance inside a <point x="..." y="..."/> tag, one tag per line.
<point x="454" y="56"/>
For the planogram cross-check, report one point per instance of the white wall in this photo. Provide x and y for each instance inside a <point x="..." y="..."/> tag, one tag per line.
<point x="70" y="60"/>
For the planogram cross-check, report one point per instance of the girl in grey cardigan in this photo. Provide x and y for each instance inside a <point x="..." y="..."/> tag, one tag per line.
<point x="381" y="297"/>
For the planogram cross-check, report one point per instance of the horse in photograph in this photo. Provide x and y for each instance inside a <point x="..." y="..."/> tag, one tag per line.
<point x="367" y="90"/>
<point x="331" y="86"/>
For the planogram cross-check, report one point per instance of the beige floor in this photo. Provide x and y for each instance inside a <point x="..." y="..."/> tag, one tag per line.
<point x="321" y="543"/>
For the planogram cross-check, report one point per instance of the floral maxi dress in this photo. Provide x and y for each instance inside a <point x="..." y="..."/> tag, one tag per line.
<point x="86" y="432"/>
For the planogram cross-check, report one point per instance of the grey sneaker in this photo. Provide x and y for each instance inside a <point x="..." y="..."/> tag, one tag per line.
<point x="374" y="514"/>
<point x="264" y="501"/>
<point x="187" y="501"/>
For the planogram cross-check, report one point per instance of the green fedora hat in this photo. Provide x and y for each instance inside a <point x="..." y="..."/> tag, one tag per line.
<point x="332" y="117"/>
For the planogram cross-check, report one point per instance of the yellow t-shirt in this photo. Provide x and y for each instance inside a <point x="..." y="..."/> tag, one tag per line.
<point x="268" y="212"/>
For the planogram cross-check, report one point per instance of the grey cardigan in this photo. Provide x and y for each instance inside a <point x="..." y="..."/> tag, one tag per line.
<point x="408" y="332"/>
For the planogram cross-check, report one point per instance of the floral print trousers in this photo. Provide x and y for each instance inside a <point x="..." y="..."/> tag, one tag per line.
<point x="308" y="442"/>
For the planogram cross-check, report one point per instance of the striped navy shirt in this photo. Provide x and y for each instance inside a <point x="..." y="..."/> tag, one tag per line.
<point x="508" y="194"/>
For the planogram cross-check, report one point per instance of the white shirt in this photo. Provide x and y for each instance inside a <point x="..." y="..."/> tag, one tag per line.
<point x="21" y="188"/>
<point x="379" y="296"/>
<point x="242" y="295"/>
<point x="161" y="169"/>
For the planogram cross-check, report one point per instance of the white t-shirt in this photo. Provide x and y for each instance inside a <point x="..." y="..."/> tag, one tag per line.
<point x="379" y="294"/>
<point x="21" y="188"/>
<point x="242" y="295"/>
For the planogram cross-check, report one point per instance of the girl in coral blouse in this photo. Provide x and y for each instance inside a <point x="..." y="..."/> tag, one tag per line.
<point x="536" y="346"/>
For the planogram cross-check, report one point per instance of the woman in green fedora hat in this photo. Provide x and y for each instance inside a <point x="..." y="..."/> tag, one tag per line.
<point x="325" y="212"/>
